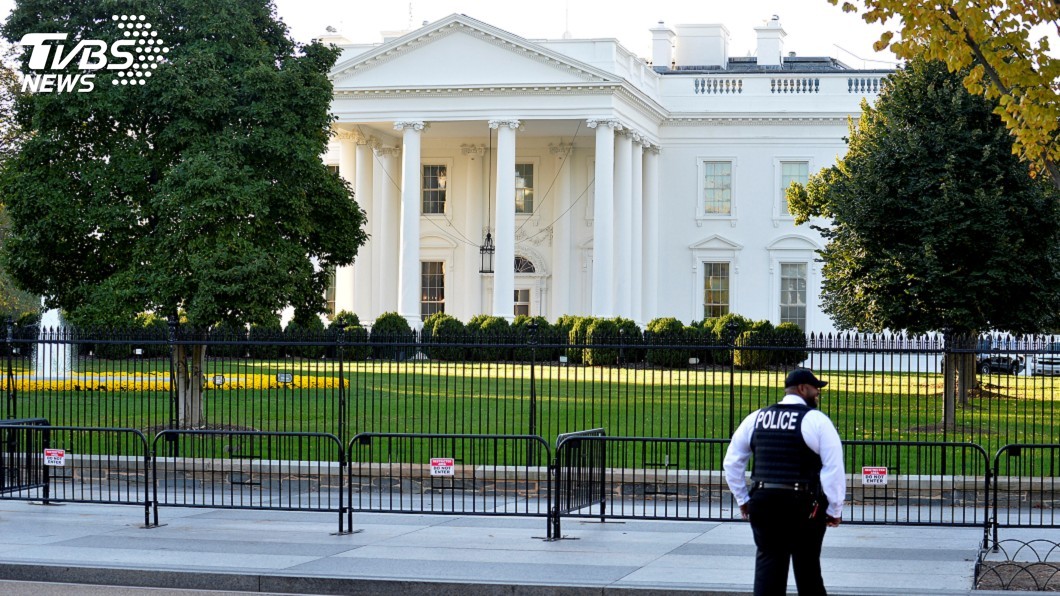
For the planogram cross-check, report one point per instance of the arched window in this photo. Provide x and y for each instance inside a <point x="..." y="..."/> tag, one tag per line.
<point x="523" y="265"/>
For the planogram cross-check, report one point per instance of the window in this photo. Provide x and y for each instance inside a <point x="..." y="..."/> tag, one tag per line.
<point x="715" y="289"/>
<point x="434" y="182"/>
<point x="329" y="293"/>
<point x="717" y="188"/>
<point x="791" y="171"/>
<point x="523" y="265"/>
<point x="524" y="188"/>
<point x="432" y="284"/>
<point x="793" y="294"/>
<point x="333" y="169"/>
<point x="522" y="302"/>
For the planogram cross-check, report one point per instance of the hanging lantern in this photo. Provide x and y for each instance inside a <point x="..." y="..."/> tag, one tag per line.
<point x="486" y="254"/>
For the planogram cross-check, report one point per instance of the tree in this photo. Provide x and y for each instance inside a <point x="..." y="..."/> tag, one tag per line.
<point x="935" y="223"/>
<point x="201" y="190"/>
<point x="992" y="42"/>
<point x="14" y="302"/>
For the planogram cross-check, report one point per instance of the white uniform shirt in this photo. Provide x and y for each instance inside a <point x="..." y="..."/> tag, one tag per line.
<point x="820" y="436"/>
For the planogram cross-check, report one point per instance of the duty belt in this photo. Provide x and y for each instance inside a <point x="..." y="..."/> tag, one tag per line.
<point x="800" y="487"/>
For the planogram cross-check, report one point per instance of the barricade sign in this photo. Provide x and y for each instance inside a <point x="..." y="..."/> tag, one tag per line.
<point x="873" y="476"/>
<point x="442" y="466"/>
<point x="55" y="457"/>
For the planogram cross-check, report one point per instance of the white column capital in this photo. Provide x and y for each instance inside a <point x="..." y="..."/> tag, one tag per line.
<point x="473" y="149"/>
<point x="346" y="135"/>
<point x="371" y="142"/>
<point x="509" y="122"/>
<point x="384" y="151"/>
<point x="419" y="125"/>
<point x="612" y="122"/>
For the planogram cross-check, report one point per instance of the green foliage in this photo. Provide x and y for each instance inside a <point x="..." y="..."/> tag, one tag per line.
<point x="727" y="328"/>
<point x="578" y="338"/>
<point x="268" y="332"/>
<point x="225" y="332"/>
<point x="664" y="331"/>
<point x="305" y="328"/>
<point x="521" y="335"/>
<point x="601" y="333"/>
<point x="760" y="334"/>
<point x="440" y="331"/>
<point x="789" y="335"/>
<point x="356" y="337"/>
<point x="489" y="332"/>
<point x="202" y="189"/>
<point x="391" y="328"/>
<point x="936" y="225"/>
<point x="629" y="334"/>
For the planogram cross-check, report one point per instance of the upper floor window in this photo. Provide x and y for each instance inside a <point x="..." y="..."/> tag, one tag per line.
<point x="717" y="188"/>
<point x="524" y="188"/>
<point x="434" y="189"/>
<point x="791" y="171"/>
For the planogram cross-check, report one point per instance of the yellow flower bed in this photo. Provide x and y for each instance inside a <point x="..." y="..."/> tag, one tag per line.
<point x="121" y="382"/>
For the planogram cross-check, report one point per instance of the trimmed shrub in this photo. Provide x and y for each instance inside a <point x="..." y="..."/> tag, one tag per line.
<point x="602" y="333"/>
<point x="307" y="328"/>
<point x="632" y="338"/>
<point x="578" y="338"/>
<point x="521" y="334"/>
<point x="492" y="331"/>
<point x="663" y="331"/>
<point x="789" y="335"/>
<point x="760" y="334"/>
<point x="389" y="329"/>
<point x="356" y="340"/>
<point x="721" y="335"/>
<point x="268" y="333"/>
<point x="439" y="332"/>
<point x="225" y="332"/>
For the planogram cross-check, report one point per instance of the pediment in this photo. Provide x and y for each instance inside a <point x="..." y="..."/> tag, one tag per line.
<point x="793" y="242"/>
<point x="459" y="51"/>
<point x="716" y="242"/>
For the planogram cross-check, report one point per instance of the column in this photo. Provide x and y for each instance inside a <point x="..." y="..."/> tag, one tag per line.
<point x="623" y="225"/>
<point x="388" y="200"/>
<point x="603" y="222"/>
<point x="504" y="236"/>
<point x="651" y="232"/>
<point x="637" y="239"/>
<point x="562" y="270"/>
<point x="476" y="200"/>
<point x="364" y="267"/>
<point x="345" y="284"/>
<point x="409" y="245"/>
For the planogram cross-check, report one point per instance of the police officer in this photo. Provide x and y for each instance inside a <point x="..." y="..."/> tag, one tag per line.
<point x="797" y="484"/>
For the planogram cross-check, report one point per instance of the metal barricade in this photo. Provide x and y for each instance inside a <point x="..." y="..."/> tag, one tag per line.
<point x="917" y="483"/>
<point x="80" y="465"/>
<point x="578" y="472"/>
<point x="238" y="469"/>
<point x="1026" y="486"/>
<point x="22" y="460"/>
<point x="465" y="474"/>
<point x="652" y="478"/>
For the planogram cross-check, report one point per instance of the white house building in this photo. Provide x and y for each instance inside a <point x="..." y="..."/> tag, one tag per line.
<point x="607" y="184"/>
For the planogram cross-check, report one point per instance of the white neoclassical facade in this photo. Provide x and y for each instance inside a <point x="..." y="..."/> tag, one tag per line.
<point x="607" y="184"/>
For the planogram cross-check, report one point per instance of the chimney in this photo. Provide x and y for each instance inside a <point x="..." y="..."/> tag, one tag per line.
<point x="702" y="45"/>
<point x="770" y="42"/>
<point x="662" y="47"/>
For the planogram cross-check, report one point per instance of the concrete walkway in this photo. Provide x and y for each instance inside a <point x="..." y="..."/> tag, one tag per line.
<point x="291" y="552"/>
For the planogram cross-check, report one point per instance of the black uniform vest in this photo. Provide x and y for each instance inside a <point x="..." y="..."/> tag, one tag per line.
<point x="780" y="453"/>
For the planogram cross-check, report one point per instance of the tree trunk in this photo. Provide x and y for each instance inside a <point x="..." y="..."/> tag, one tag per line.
<point x="949" y="383"/>
<point x="959" y="376"/>
<point x="189" y="367"/>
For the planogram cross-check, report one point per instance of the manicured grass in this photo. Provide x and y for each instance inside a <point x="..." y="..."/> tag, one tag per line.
<point x="481" y="398"/>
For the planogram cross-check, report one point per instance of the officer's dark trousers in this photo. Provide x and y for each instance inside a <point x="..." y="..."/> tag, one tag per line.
<point x="783" y="531"/>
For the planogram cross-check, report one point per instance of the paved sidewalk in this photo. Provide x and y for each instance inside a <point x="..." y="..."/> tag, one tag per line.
<point x="291" y="552"/>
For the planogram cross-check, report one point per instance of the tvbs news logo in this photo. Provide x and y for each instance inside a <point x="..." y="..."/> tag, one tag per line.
<point x="134" y="58"/>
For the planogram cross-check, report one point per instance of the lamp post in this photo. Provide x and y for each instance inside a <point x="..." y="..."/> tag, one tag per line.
<point x="486" y="254"/>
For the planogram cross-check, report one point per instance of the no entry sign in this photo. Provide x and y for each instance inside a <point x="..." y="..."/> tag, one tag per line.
<point x="442" y="466"/>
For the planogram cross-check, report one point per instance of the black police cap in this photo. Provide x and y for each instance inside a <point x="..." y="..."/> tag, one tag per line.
<point x="803" y="376"/>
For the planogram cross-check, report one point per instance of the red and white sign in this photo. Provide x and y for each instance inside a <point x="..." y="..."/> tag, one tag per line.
<point x="873" y="476"/>
<point x="442" y="466"/>
<point x="55" y="457"/>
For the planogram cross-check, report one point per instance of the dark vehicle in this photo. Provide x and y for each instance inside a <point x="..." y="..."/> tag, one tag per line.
<point x="990" y="360"/>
